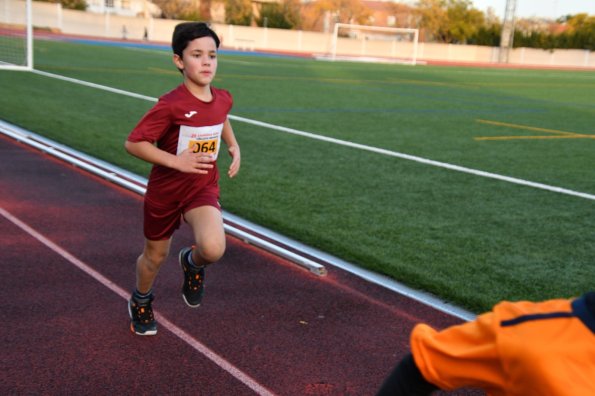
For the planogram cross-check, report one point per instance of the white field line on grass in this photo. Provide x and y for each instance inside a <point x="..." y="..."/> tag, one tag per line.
<point x="345" y="143"/>
<point x="178" y="332"/>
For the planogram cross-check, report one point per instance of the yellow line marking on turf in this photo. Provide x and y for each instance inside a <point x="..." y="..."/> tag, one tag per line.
<point x="558" y="134"/>
<point x="577" y="136"/>
<point x="530" y="128"/>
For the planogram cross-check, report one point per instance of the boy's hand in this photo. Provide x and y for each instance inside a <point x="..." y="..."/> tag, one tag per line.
<point x="189" y="162"/>
<point x="234" y="167"/>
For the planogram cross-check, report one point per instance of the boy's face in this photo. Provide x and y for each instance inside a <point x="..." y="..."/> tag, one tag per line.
<point x="199" y="62"/>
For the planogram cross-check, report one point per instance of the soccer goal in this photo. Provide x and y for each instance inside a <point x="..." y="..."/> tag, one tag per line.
<point x="372" y="43"/>
<point x="16" y="35"/>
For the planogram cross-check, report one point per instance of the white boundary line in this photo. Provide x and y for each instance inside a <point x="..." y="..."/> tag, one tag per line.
<point x="417" y="159"/>
<point x="345" y="143"/>
<point x="93" y="85"/>
<point x="178" y="332"/>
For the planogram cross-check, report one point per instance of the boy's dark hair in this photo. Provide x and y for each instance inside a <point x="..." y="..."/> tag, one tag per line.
<point x="185" y="32"/>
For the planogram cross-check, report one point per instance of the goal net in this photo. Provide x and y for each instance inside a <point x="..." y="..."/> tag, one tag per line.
<point x="16" y="35"/>
<point x="377" y="44"/>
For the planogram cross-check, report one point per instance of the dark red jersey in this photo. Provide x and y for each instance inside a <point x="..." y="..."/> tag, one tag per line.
<point x="177" y="122"/>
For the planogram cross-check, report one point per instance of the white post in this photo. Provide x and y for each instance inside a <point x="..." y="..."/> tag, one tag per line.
<point x="415" y="43"/>
<point x="6" y="11"/>
<point x="363" y="45"/>
<point x="300" y="34"/>
<point x="494" y="54"/>
<point x="107" y="27"/>
<point x="59" y="16"/>
<point x="151" y="28"/>
<point x="334" y="42"/>
<point x="29" y="35"/>
<point x="230" y="34"/>
<point x="522" y="55"/>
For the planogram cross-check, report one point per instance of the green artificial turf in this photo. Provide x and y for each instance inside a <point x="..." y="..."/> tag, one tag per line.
<point x="466" y="238"/>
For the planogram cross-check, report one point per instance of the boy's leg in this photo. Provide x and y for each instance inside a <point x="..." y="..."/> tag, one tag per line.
<point x="142" y="320"/>
<point x="149" y="262"/>
<point x="209" y="236"/>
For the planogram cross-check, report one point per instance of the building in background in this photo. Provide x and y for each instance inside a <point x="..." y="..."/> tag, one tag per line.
<point x="390" y="14"/>
<point x="133" y="8"/>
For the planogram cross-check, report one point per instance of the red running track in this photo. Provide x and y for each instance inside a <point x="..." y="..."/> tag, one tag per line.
<point x="69" y="244"/>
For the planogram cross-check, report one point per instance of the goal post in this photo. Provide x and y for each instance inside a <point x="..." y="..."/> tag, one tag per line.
<point x="16" y="35"/>
<point x="374" y="43"/>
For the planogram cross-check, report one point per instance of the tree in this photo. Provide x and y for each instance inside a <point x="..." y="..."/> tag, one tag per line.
<point x="486" y="35"/>
<point x="571" y="31"/>
<point x="432" y="18"/>
<point x="463" y="22"/>
<point x="80" y="5"/>
<point x="580" y="32"/>
<point x="344" y="11"/>
<point x="238" y="12"/>
<point x="205" y="10"/>
<point x="173" y="9"/>
<point x="449" y="21"/>
<point x="74" y="4"/>
<point x="489" y="32"/>
<point x="285" y="15"/>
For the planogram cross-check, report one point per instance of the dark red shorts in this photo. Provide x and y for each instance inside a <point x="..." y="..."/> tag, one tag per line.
<point x="161" y="219"/>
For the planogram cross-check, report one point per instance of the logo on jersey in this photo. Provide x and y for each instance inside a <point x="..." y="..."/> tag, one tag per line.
<point x="190" y="114"/>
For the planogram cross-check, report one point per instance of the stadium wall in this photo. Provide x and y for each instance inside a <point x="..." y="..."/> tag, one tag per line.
<point x="53" y="17"/>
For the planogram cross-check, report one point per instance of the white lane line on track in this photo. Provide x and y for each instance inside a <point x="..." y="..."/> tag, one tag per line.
<point x="197" y="345"/>
<point x="377" y="150"/>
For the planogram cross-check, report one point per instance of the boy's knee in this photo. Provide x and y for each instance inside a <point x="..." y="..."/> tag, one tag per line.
<point x="211" y="252"/>
<point x="154" y="258"/>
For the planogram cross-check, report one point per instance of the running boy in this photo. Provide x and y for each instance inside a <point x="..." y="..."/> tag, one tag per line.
<point x="181" y="137"/>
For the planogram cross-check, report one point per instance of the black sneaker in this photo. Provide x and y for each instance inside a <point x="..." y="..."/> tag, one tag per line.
<point x="142" y="321"/>
<point x="194" y="277"/>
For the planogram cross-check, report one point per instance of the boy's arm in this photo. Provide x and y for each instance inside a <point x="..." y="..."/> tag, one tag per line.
<point x="232" y="147"/>
<point x="187" y="161"/>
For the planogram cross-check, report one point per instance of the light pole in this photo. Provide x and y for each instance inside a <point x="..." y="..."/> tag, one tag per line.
<point x="507" y="31"/>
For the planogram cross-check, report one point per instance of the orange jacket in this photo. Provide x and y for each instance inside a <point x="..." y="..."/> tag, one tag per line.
<point x="519" y="348"/>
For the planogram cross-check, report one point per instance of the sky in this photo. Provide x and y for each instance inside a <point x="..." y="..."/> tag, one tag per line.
<point x="539" y="8"/>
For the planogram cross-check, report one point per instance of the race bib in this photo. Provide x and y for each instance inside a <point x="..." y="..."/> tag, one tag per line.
<point x="200" y="139"/>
